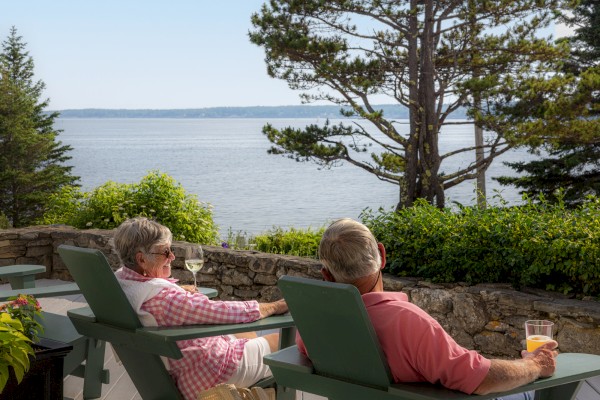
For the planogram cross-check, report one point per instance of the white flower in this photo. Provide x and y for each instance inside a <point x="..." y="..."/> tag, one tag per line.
<point x="89" y="224"/>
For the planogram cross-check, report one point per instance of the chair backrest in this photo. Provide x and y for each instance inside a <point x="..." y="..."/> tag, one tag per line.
<point x="336" y="329"/>
<point x="110" y="306"/>
<point x="99" y="286"/>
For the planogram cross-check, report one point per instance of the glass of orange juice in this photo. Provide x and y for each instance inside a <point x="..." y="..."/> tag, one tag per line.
<point x="537" y="332"/>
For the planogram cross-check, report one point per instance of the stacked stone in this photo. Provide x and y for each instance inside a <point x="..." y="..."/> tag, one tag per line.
<point x="491" y="317"/>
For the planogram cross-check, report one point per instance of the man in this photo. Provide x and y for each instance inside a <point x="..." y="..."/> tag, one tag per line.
<point x="416" y="346"/>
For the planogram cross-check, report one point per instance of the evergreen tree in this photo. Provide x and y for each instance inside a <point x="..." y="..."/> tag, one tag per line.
<point x="429" y="56"/>
<point x="571" y="165"/>
<point x="31" y="159"/>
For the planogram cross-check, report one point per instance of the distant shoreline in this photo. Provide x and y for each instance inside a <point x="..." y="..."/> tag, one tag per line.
<point x="333" y="112"/>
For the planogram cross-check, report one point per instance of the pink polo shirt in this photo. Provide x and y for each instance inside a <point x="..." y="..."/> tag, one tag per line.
<point x="417" y="348"/>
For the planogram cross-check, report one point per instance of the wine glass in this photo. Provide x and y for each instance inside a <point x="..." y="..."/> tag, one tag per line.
<point x="195" y="261"/>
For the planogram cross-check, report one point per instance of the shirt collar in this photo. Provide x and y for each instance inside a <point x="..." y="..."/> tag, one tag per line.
<point x="129" y="274"/>
<point x="372" y="298"/>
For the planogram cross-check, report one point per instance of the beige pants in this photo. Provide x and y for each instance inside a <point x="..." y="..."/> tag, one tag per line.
<point x="252" y="368"/>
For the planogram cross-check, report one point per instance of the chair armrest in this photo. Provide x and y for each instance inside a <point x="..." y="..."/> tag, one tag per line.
<point x="570" y="368"/>
<point x="185" y="332"/>
<point x="45" y="291"/>
<point x="86" y="324"/>
<point x="291" y="359"/>
<point x="162" y="340"/>
<point x="208" y="292"/>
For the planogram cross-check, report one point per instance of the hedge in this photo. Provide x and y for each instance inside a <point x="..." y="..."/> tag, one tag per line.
<point x="537" y="245"/>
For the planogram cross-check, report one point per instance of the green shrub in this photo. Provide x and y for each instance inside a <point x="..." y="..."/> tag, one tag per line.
<point x="157" y="196"/>
<point x="296" y="242"/>
<point x="539" y="245"/>
<point x="4" y="221"/>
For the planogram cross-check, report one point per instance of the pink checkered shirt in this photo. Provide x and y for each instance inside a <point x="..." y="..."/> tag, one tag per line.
<point x="209" y="361"/>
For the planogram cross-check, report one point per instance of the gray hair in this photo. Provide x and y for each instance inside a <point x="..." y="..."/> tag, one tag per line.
<point x="138" y="234"/>
<point x="349" y="251"/>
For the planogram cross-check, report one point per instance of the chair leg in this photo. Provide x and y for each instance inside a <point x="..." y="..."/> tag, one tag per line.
<point x="94" y="374"/>
<point x="285" y="393"/>
<point x="287" y="338"/>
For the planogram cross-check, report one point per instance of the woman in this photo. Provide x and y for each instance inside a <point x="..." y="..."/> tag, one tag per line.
<point x="144" y="248"/>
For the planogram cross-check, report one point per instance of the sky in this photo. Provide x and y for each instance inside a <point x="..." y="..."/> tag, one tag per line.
<point x="138" y="54"/>
<point x="145" y="54"/>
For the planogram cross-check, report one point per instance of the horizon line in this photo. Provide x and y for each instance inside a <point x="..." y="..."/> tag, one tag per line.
<point x="208" y="108"/>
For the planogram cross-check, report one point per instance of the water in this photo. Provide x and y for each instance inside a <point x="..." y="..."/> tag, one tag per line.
<point x="225" y="162"/>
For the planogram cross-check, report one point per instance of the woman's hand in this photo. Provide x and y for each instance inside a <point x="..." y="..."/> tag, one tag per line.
<point x="276" y="307"/>
<point x="189" y="288"/>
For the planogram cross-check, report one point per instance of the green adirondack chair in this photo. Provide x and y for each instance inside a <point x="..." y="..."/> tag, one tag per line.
<point x="346" y="361"/>
<point x="110" y="317"/>
<point x="86" y="359"/>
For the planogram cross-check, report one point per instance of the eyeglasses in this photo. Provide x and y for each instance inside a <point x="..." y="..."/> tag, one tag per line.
<point x="168" y="251"/>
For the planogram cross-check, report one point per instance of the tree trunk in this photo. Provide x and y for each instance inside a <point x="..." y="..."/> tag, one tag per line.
<point x="408" y="184"/>
<point x="428" y="149"/>
<point x="481" y="194"/>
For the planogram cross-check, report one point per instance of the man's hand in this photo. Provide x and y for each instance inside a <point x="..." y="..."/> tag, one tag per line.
<point x="545" y="357"/>
<point x="508" y="374"/>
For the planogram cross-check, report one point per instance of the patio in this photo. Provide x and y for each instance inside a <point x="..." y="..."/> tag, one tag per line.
<point x="121" y="387"/>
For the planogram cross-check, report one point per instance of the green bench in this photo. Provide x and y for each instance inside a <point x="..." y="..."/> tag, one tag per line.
<point x="347" y="362"/>
<point x="21" y="276"/>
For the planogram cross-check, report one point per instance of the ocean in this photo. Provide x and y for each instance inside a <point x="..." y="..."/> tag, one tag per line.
<point x="225" y="163"/>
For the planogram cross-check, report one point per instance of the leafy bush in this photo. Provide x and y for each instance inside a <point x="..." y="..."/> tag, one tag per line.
<point x="296" y="242"/>
<point x="18" y="330"/>
<point x="539" y="245"/>
<point x="157" y="196"/>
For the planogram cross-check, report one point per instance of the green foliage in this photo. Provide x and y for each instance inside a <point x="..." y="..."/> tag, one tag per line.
<point x="569" y="122"/>
<point x="4" y="222"/>
<point x="567" y="173"/>
<point x="296" y="242"/>
<point x="31" y="159"/>
<point x="18" y="329"/>
<point x="157" y="196"/>
<point x="539" y="244"/>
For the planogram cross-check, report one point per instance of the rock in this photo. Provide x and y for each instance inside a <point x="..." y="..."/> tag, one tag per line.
<point x="470" y="313"/>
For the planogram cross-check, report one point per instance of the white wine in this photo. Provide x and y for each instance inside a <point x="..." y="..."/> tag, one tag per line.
<point x="194" y="265"/>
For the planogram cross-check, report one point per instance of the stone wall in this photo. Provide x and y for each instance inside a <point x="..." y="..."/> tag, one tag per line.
<point x="488" y="318"/>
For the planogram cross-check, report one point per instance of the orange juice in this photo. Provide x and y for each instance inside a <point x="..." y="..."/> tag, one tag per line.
<point x="535" y="341"/>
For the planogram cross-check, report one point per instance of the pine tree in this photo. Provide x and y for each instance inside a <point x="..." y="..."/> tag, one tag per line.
<point x="31" y="159"/>
<point x="570" y="170"/>
<point x="431" y="57"/>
